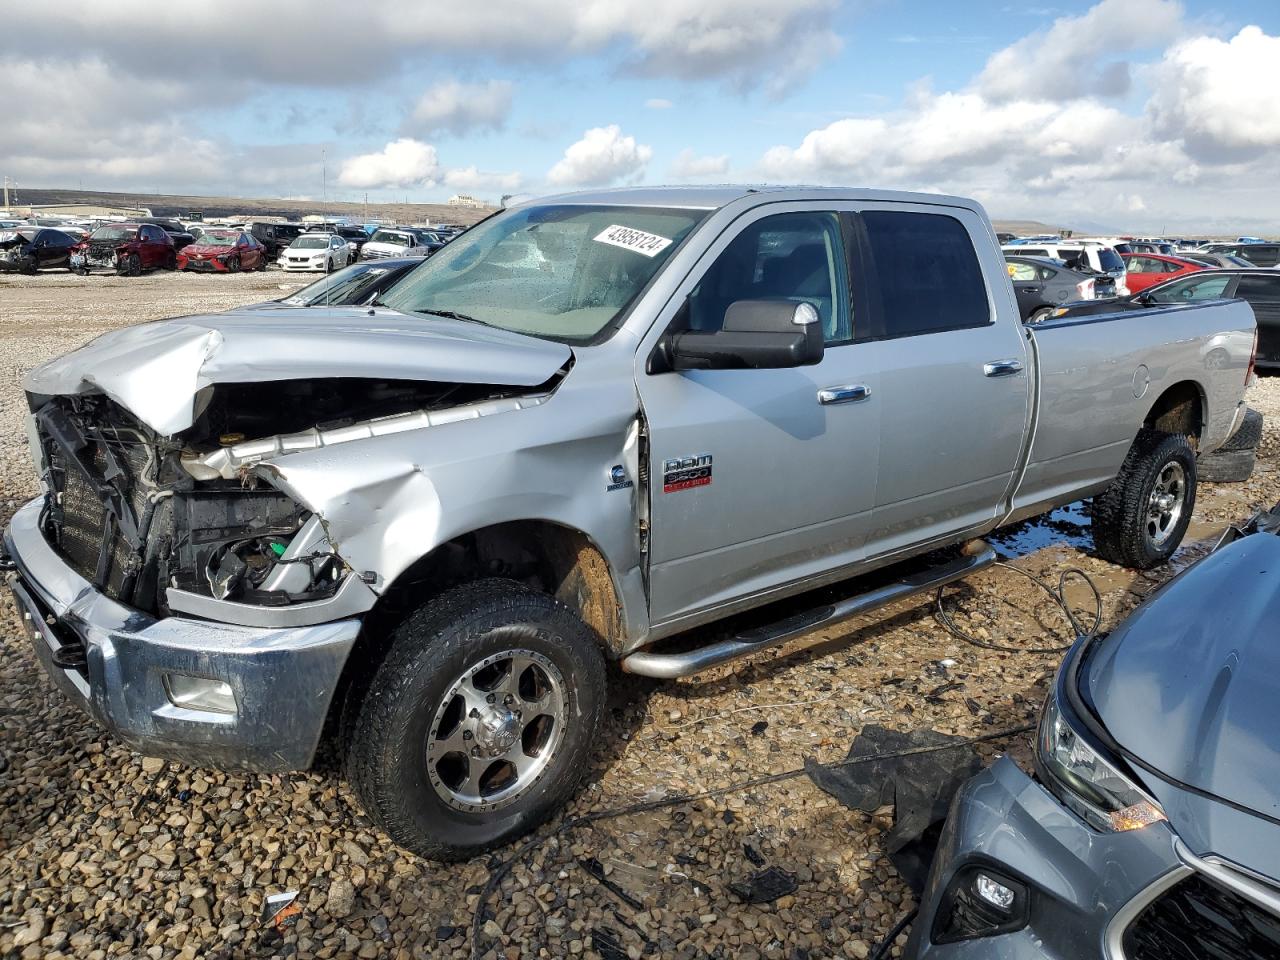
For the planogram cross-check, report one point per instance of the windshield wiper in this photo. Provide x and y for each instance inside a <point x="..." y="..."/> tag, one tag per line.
<point x="454" y="315"/>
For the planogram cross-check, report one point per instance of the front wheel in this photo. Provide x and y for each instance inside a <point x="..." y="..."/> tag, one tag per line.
<point x="130" y="266"/>
<point x="480" y="722"/>
<point x="233" y="264"/>
<point x="1140" y="519"/>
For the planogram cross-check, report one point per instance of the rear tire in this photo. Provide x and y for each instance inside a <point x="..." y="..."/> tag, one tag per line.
<point x="1247" y="436"/>
<point x="1227" y="466"/>
<point x="437" y="691"/>
<point x="1140" y="519"/>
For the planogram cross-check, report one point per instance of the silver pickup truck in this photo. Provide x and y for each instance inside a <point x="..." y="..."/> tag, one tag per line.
<point x="585" y="428"/>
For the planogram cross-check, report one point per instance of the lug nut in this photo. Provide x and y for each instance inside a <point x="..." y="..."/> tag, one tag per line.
<point x="490" y="698"/>
<point x="467" y="734"/>
<point x="475" y="751"/>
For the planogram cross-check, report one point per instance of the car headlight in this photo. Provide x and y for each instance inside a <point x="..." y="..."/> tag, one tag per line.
<point x="1085" y="781"/>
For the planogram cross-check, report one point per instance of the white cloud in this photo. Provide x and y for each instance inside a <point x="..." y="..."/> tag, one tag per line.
<point x="688" y="166"/>
<point x="402" y="163"/>
<point x="1078" y="56"/>
<point x="470" y="178"/>
<point x="658" y="103"/>
<point x="603" y="156"/>
<point x="1212" y="94"/>
<point x="453" y="107"/>
<point x="734" y="40"/>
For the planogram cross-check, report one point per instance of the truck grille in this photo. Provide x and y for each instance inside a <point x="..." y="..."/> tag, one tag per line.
<point x="1198" y="919"/>
<point x="79" y="535"/>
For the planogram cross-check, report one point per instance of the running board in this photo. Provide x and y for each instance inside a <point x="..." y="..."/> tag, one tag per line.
<point x="668" y="666"/>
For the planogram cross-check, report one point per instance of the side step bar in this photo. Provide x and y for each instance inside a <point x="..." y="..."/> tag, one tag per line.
<point x="668" y="666"/>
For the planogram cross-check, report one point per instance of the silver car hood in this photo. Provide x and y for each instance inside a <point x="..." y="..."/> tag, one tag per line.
<point x="156" y="370"/>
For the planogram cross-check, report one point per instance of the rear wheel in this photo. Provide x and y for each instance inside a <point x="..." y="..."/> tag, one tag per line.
<point x="479" y="723"/>
<point x="1140" y="519"/>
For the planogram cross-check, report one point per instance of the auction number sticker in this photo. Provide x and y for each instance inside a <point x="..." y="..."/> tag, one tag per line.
<point x="646" y="244"/>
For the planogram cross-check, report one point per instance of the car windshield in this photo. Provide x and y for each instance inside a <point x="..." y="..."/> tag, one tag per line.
<point x="560" y="272"/>
<point x="310" y="243"/>
<point x="348" y="286"/>
<point x="220" y="239"/>
<point x="391" y="236"/>
<point x="114" y="233"/>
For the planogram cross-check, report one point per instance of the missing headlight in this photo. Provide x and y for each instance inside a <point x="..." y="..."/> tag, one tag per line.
<point x="275" y="569"/>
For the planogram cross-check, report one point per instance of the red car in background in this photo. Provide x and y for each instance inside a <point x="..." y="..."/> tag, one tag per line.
<point x="223" y="251"/>
<point x="126" y="248"/>
<point x="1148" y="269"/>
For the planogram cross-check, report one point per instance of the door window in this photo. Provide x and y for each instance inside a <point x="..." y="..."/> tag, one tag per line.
<point x="1023" y="272"/>
<point x="789" y="256"/>
<point x="1181" y="291"/>
<point x="927" y="273"/>
<point x="1259" y="288"/>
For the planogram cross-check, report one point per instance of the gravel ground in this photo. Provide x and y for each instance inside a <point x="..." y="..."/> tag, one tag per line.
<point x="104" y="853"/>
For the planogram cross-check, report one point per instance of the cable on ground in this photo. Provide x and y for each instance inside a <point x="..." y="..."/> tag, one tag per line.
<point x="1056" y="594"/>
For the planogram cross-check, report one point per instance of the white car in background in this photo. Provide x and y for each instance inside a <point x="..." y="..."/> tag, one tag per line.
<point x="400" y="242"/>
<point x="325" y="252"/>
<point x="1094" y="256"/>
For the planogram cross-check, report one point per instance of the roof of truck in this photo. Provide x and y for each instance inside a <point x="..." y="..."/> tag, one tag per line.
<point x="712" y="197"/>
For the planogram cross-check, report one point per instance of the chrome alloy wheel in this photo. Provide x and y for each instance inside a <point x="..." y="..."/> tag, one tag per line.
<point x="1164" y="508"/>
<point x="496" y="731"/>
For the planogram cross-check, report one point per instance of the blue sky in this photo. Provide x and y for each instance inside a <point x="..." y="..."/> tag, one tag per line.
<point x="1132" y="113"/>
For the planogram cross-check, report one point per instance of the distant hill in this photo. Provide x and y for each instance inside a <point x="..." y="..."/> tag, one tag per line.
<point x="169" y="205"/>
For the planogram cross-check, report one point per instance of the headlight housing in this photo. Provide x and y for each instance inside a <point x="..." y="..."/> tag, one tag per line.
<point x="1086" y="782"/>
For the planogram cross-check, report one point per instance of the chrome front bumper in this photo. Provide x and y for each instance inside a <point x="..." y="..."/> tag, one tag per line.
<point x="282" y="680"/>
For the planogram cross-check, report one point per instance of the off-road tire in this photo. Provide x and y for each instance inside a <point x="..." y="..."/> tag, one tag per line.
<point x="387" y="734"/>
<point x="1247" y="436"/>
<point x="1227" y="466"/>
<point x="1120" y="512"/>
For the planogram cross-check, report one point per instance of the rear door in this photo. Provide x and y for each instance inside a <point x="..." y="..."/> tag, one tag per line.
<point x="1028" y="287"/>
<point x="761" y="478"/>
<point x="953" y="370"/>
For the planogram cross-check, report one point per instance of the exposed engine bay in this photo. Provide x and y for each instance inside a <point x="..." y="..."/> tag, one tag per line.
<point x="137" y="513"/>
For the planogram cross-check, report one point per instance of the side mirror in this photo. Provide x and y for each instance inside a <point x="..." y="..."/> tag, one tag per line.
<point x="756" y="334"/>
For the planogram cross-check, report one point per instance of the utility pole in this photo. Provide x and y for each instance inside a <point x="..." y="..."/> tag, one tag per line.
<point x="324" y="179"/>
<point x="6" y="194"/>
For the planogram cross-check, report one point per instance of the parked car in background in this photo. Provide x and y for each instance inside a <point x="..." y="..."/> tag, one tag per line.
<point x="357" y="285"/>
<point x="1214" y="260"/>
<point x="176" y="231"/>
<point x="223" y="251"/>
<point x="1148" y="269"/>
<point x="1258" y="254"/>
<point x="400" y="242"/>
<point x="275" y="237"/>
<point x="316" y="251"/>
<point x="1257" y="286"/>
<point x="1040" y="284"/>
<point x="29" y="249"/>
<point x="1147" y="828"/>
<point x="1094" y="257"/>
<point x="1146" y="246"/>
<point x="126" y="248"/>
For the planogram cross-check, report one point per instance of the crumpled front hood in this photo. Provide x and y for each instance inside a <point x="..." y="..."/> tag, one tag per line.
<point x="155" y="370"/>
<point x="1190" y="683"/>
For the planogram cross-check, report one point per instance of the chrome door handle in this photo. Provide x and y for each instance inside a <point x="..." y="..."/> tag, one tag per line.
<point x="853" y="393"/>
<point x="1001" y="368"/>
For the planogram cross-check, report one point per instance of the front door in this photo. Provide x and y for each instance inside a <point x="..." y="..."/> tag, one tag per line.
<point x="761" y="477"/>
